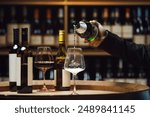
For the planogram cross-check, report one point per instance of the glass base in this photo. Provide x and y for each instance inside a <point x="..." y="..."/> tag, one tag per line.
<point x="43" y="89"/>
<point x="74" y="93"/>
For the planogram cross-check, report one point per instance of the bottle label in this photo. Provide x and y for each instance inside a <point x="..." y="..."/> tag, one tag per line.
<point x="36" y="40"/>
<point x="127" y="31"/>
<point x="3" y="40"/>
<point x="139" y="39"/>
<point x="30" y="71"/>
<point x="116" y="29"/>
<point x="29" y="30"/>
<point x="49" y="40"/>
<point x="66" y="78"/>
<point x="107" y="27"/>
<point x="10" y="28"/>
<point x="18" y="71"/>
<point x="12" y="67"/>
<point x="148" y="39"/>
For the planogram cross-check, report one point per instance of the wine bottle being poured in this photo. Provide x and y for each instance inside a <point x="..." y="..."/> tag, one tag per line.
<point x="86" y="30"/>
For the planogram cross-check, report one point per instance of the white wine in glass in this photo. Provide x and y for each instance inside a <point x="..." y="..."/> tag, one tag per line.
<point x="74" y="63"/>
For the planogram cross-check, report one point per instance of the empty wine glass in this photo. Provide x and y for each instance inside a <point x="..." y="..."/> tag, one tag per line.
<point x="43" y="61"/>
<point x="74" y="63"/>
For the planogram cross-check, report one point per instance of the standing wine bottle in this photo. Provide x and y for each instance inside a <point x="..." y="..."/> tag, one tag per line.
<point x="11" y="25"/>
<point x="106" y="22"/>
<point x="83" y="14"/>
<point x="12" y="60"/>
<point x="141" y="78"/>
<point x="71" y="28"/>
<point x="48" y="37"/>
<point x="61" y="18"/>
<point x="109" y="69"/>
<point x="139" y="37"/>
<point x="120" y="71"/>
<point x="130" y="73"/>
<point x="36" y="32"/>
<point x="127" y="28"/>
<point x="2" y="28"/>
<point x="25" y="23"/>
<point x="95" y="14"/>
<point x="62" y="77"/>
<point x="86" y="30"/>
<point x="59" y="22"/>
<point x="116" y="24"/>
<point x="24" y="65"/>
<point x="146" y="25"/>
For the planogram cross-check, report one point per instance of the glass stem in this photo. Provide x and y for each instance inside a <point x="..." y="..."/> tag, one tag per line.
<point x="74" y="84"/>
<point x="44" y="85"/>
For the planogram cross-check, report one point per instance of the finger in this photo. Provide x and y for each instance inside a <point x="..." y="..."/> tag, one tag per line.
<point x="94" y="22"/>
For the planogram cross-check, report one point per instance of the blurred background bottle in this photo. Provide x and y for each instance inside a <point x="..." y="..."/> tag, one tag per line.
<point x="106" y="21"/>
<point x="116" y="24"/>
<point x="2" y="28"/>
<point x="127" y="28"/>
<point x="48" y="36"/>
<point x="12" y="23"/>
<point x="24" y="22"/>
<point x="36" y="31"/>
<point x="71" y="34"/>
<point x="139" y="37"/>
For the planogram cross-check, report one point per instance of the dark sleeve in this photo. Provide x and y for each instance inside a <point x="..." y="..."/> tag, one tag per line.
<point x="134" y="53"/>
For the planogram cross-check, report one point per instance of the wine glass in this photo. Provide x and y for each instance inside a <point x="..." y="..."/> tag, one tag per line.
<point x="43" y="61"/>
<point x="74" y="63"/>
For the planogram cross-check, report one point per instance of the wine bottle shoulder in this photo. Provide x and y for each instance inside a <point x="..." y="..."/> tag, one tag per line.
<point x="60" y="55"/>
<point x="14" y="49"/>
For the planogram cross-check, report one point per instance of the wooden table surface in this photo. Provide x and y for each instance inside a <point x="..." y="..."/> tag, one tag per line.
<point x="95" y="90"/>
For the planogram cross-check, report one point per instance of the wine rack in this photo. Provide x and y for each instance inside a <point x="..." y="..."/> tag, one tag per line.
<point x="67" y="5"/>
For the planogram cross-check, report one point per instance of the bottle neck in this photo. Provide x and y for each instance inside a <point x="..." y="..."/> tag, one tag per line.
<point x="16" y="36"/>
<point x="60" y="14"/>
<point x="1" y="15"/>
<point x="95" y="14"/>
<point x="13" y="15"/>
<point x="81" y="27"/>
<point x="36" y="15"/>
<point x="139" y="13"/>
<point x="83" y="14"/>
<point x="61" y="40"/>
<point x="61" y="43"/>
<point x="72" y="14"/>
<point x="24" y="13"/>
<point x="24" y="37"/>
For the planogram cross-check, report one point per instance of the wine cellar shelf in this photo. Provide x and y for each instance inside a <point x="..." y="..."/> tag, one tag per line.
<point x="75" y="2"/>
<point x="99" y="64"/>
<point x="66" y="4"/>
